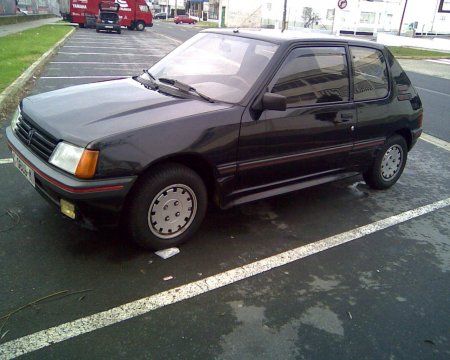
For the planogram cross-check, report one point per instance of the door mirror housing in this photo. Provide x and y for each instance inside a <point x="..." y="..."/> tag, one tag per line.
<point x="272" y="101"/>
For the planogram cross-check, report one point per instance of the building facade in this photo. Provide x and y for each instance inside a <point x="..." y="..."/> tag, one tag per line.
<point x="355" y="16"/>
<point x="13" y="7"/>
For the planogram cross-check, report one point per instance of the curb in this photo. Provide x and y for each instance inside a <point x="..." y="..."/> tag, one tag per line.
<point x="12" y="89"/>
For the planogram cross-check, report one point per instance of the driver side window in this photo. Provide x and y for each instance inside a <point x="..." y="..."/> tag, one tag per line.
<point x="313" y="75"/>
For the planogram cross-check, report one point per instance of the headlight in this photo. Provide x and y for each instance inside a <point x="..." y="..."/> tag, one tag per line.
<point x="15" y="119"/>
<point x="74" y="159"/>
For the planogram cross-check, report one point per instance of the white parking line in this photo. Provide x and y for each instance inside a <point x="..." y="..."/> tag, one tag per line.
<point x="142" y="306"/>
<point x="110" y="47"/>
<point x="107" y="53"/>
<point x="432" y="91"/>
<point x="6" y="161"/>
<point x="435" y="141"/>
<point x="86" y="77"/>
<point x="98" y="62"/>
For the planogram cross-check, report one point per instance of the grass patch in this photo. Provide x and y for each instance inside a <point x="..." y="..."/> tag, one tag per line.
<point x="18" y="51"/>
<point x="207" y="24"/>
<point x="407" y="52"/>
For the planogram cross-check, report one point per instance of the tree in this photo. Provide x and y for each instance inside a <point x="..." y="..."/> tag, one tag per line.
<point x="309" y="17"/>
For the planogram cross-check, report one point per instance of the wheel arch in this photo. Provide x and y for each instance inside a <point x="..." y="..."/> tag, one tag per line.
<point x="406" y="134"/>
<point x="195" y="162"/>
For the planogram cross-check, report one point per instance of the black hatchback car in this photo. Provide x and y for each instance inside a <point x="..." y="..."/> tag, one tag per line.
<point x="228" y="116"/>
<point x="108" y="17"/>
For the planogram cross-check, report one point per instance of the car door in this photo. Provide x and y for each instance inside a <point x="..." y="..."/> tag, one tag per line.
<point x="314" y="136"/>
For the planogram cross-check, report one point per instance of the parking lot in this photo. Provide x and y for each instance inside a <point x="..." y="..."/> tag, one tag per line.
<point x="327" y="272"/>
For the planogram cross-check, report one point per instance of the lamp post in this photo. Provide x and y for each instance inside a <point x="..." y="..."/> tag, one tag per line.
<point x="401" y="20"/>
<point x="283" y="26"/>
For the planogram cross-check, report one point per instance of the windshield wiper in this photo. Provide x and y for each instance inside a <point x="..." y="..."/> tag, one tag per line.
<point x="148" y="83"/>
<point x="149" y="74"/>
<point x="184" y="87"/>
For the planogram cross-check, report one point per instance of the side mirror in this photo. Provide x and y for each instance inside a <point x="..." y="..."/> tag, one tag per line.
<point x="274" y="102"/>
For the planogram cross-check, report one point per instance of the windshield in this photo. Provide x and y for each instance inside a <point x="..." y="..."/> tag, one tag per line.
<point x="220" y="66"/>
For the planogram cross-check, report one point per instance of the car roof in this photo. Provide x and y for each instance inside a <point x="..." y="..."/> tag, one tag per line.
<point x="292" y="36"/>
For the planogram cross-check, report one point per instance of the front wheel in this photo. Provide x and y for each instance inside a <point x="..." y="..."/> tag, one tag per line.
<point x="388" y="165"/>
<point x="167" y="207"/>
<point x="140" y="26"/>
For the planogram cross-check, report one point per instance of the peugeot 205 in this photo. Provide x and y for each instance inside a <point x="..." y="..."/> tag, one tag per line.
<point x="230" y="116"/>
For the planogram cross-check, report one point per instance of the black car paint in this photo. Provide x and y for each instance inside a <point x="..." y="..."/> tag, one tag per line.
<point x="230" y="145"/>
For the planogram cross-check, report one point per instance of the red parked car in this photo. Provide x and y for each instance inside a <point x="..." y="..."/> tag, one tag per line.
<point x="180" y="19"/>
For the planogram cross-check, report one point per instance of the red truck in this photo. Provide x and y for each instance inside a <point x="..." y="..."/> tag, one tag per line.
<point x="134" y="14"/>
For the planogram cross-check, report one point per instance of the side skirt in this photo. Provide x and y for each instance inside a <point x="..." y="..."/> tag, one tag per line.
<point x="243" y="196"/>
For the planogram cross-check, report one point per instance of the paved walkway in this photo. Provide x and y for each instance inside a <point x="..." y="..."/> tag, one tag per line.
<point x="14" y="28"/>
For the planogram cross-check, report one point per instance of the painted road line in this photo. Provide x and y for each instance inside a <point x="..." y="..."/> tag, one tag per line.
<point x="432" y="91"/>
<point x="97" y="62"/>
<point x="6" y="161"/>
<point x="435" y="141"/>
<point x="106" y="47"/>
<point x="44" y="338"/>
<point x="105" y="53"/>
<point x="170" y="38"/>
<point x="440" y="61"/>
<point x="87" y="77"/>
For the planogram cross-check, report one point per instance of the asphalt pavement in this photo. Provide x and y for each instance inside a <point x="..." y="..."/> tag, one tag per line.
<point x="382" y="295"/>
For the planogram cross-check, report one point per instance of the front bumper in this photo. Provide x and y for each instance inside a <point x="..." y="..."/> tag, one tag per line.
<point x="97" y="202"/>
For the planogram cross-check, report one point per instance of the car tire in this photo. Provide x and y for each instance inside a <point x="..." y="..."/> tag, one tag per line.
<point x="81" y="26"/>
<point x="131" y="27"/>
<point x="140" y="26"/>
<point x="167" y="207"/>
<point x="119" y="31"/>
<point x="97" y="30"/>
<point x="388" y="164"/>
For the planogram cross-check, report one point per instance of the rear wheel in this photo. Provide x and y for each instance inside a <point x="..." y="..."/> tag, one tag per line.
<point x="167" y="207"/>
<point x="81" y="25"/>
<point x="97" y="30"/>
<point x="119" y="31"/>
<point x="140" y="26"/>
<point x="388" y="165"/>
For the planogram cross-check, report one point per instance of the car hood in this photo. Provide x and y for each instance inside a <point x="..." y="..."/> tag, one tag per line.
<point x="85" y="113"/>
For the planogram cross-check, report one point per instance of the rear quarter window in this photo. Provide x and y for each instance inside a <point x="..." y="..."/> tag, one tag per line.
<point x="370" y="74"/>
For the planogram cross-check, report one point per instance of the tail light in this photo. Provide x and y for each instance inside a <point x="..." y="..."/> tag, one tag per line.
<point x="420" y="119"/>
